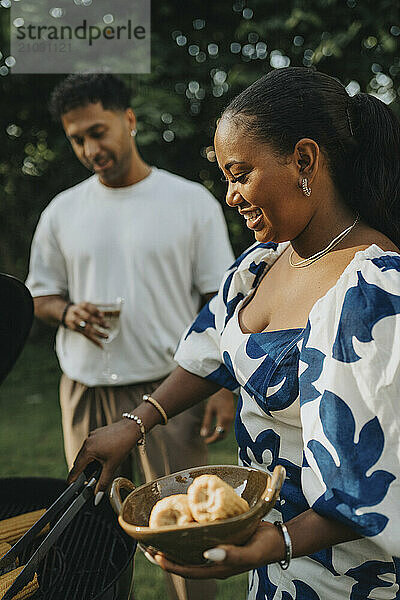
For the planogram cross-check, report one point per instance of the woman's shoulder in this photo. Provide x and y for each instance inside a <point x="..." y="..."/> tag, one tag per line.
<point x="359" y="317"/>
<point x="373" y="237"/>
<point x="371" y="269"/>
<point x="377" y="285"/>
<point x="367" y="292"/>
<point x="376" y="265"/>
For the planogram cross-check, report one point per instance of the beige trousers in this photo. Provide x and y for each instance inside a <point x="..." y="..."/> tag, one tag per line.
<point x="169" y="448"/>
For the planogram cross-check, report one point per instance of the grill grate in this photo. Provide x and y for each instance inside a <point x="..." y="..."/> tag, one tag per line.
<point x="87" y="560"/>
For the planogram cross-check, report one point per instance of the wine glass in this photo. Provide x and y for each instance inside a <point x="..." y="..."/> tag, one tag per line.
<point x="111" y="312"/>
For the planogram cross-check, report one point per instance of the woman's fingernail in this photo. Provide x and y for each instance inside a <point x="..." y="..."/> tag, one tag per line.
<point x="203" y="432"/>
<point x="98" y="498"/>
<point x="215" y="554"/>
<point x="150" y="558"/>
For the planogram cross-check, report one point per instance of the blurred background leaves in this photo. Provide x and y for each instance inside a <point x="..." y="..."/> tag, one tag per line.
<point x="203" y="53"/>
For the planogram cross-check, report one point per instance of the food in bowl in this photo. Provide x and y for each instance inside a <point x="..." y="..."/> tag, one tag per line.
<point x="208" y="499"/>
<point x="211" y="499"/>
<point x="186" y="544"/>
<point x="172" y="510"/>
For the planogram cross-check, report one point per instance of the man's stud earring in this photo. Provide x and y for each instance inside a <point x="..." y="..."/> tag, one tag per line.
<point x="133" y="132"/>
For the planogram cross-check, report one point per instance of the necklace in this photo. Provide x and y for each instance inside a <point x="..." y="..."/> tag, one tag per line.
<point x="314" y="257"/>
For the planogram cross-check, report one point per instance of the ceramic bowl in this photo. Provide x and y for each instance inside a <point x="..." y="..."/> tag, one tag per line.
<point x="185" y="545"/>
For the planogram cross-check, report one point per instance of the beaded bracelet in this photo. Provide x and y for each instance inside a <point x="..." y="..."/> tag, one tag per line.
<point x="157" y="405"/>
<point x="64" y="314"/>
<point x="139" y="421"/>
<point x="288" y="544"/>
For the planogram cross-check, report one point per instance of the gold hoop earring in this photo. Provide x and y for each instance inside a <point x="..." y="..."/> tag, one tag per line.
<point x="305" y="188"/>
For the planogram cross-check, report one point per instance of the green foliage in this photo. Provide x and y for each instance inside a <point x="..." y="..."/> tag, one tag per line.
<point x="203" y="53"/>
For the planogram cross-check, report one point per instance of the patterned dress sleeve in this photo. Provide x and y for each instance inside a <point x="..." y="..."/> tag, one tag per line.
<point x="350" y="395"/>
<point x="199" y="349"/>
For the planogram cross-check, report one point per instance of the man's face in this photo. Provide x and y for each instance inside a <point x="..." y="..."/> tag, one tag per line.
<point x="102" y="141"/>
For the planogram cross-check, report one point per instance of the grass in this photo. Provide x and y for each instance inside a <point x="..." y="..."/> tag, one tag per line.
<point x="31" y="445"/>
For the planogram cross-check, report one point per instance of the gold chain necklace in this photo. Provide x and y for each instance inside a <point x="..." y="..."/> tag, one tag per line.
<point x="306" y="262"/>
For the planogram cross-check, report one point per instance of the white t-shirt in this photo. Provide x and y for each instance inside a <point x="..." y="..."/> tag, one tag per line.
<point x="160" y="244"/>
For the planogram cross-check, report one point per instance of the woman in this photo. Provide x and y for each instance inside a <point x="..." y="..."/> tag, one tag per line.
<point x="306" y="323"/>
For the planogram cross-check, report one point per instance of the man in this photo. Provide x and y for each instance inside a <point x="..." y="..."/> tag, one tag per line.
<point x="132" y="231"/>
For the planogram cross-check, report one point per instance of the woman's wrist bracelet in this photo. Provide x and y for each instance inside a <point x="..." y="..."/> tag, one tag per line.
<point x="138" y="420"/>
<point x="157" y="406"/>
<point x="64" y="314"/>
<point x="288" y="544"/>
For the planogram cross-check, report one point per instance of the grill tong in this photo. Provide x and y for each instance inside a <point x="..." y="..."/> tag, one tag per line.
<point x="82" y="490"/>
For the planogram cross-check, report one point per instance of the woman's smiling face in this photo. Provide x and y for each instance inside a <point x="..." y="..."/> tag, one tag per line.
<point x="262" y="185"/>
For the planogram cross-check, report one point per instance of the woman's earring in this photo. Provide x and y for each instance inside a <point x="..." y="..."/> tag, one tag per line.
<point x="133" y="132"/>
<point x="305" y="188"/>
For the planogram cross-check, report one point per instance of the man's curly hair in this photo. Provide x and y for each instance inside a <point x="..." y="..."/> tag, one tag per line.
<point x="80" y="90"/>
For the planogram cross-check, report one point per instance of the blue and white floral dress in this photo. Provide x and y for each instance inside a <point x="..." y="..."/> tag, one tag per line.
<point x="324" y="402"/>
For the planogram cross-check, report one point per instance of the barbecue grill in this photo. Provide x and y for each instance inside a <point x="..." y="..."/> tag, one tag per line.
<point x="88" y="560"/>
<point x="93" y="554"/>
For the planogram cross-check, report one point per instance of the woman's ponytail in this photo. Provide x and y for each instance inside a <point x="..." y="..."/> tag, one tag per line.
<point x="376" y="165"/>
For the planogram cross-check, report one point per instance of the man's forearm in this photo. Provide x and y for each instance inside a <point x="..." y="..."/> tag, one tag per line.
<point x="50" y="309"/>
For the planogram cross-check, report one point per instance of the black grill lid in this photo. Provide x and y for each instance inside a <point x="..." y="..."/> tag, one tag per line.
<point x="16" y="316"/>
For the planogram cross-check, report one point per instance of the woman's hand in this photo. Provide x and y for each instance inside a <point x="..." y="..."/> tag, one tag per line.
<point x="309" y="532"/>
<point x="265" y="546"/>
<point x="109" y="446"/>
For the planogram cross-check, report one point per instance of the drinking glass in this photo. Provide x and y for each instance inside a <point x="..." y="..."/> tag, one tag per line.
<point x="111" y="312"/>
